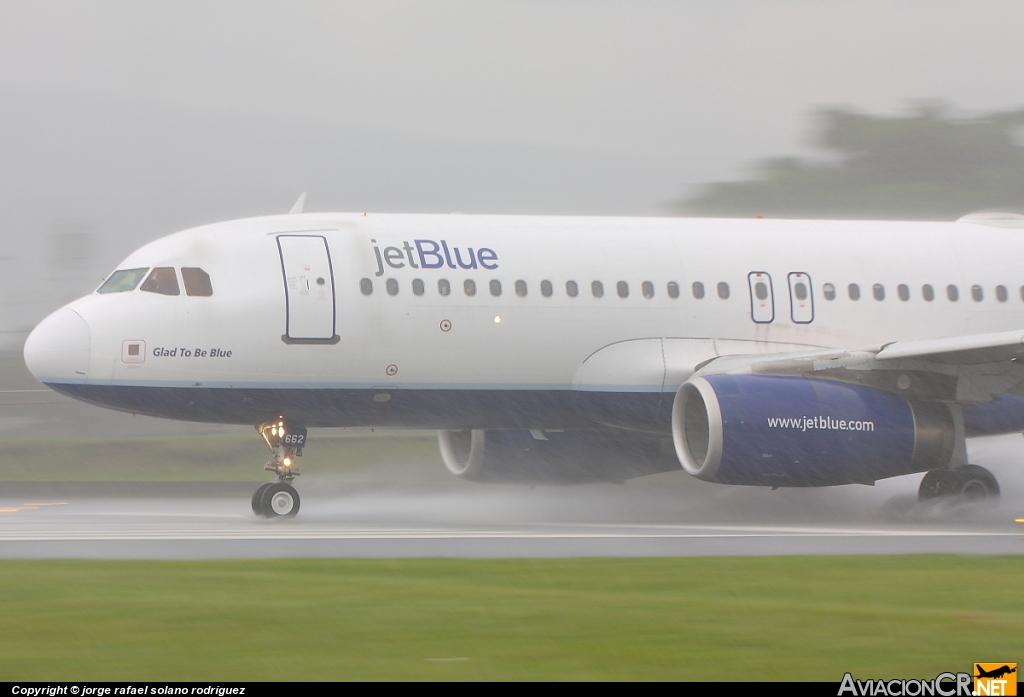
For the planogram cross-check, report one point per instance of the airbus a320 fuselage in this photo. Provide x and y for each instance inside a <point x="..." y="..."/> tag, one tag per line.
<point x="759" y="352"/>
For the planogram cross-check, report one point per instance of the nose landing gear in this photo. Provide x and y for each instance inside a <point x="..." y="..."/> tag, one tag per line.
<point x="279" y="498"/>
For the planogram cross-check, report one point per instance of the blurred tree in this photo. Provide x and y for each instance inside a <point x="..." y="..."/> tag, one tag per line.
<point x="925" y="165"/>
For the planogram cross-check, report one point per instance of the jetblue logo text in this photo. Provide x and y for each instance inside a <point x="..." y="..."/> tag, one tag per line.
<point x="431" y="254"/>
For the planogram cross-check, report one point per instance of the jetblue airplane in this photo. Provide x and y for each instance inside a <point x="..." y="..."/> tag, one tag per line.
<point x="775" y="353"/>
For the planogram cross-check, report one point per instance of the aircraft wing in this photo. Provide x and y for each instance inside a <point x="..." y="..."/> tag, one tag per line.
<point x="974" y="368"/>
<point x="974" y="349"/>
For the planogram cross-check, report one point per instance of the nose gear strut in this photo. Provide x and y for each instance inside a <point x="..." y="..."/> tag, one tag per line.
<point x="285" y="439"/>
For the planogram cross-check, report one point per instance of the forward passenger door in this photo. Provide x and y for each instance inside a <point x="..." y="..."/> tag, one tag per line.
<point x="308" y="288"/>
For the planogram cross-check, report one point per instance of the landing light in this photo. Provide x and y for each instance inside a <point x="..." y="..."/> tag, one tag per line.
<point x="497" y="319"/>
<point x="287" y="462"/>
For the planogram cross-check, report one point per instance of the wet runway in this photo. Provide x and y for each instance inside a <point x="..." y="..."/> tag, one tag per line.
<point x="179" y="521"/>
<point x="670" y="514"/>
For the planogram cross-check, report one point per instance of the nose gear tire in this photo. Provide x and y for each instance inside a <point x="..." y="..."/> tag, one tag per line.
<point x="257" y="499"/>
<point x="280" y="500"/>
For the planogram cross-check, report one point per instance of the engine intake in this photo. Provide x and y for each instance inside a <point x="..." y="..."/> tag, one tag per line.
<point x="793" y="431"/>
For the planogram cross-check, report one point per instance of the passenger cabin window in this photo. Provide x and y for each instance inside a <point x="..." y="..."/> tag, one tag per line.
<point x="495" y="287"/>
<point x="878" y="290"/>
<point x="392" y="286"/>
<point x="521" y="289"/>
<point x="977" y="294"/>
<point x="469" y="285"/>
<point x="1001" y="294"/>
<point x="953" y="293"/>
<point x="444" y="287"/>
<point x="854" y="291"/>
<point x="673" y="290"/>
<point x="927" y="292"/>
<point x="572" y="290"/>
<point x="546" y="289"/>
<point x="622" y="288"/>
<point x="723" y="290"/>
<point x="122" y="280"/>
<point x="648" y="289"/>
<point x="829" y="291"/>
<point x="162" y="280"/>
<point x="366" y="286"/>
<point x="698" y="290"/>
<point x="417" y="286"/>
<point x="903" y="290"/>
<point x="197" y="282"/>
<point x="597" y="288"/>
<point x="761" y="290"/>
<point x="800" y="290"/>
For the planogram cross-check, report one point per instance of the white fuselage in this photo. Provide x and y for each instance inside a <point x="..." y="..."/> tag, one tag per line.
<point x="289" y="318"/>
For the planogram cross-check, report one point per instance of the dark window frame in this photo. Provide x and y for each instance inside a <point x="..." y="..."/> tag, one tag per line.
<point x="162" y="286"/>
<point x="197" y="282"/>
<point x="117" y="280"/>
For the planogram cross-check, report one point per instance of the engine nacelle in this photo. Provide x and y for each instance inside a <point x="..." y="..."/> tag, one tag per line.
<point x="554" y="457"/>
<point x="793" y="431"/>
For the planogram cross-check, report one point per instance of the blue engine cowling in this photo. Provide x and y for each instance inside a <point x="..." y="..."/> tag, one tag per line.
<point x="793" y="431"/>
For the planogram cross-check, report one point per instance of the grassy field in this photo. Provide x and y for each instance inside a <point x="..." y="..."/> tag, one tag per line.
<point x="796" y="618"/>
<point x="376" y="457"/>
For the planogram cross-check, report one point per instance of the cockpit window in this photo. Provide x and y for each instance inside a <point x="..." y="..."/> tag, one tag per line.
<point x="162" y="280"/>
<point x="197" y="282"/>
<point x="122" y="280"/>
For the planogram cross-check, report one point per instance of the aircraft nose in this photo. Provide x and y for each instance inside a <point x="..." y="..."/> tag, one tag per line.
<point x="57" y="350"/>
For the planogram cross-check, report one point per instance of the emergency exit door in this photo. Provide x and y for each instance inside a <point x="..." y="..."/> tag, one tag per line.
<point x="801" y="298"/>
<point x="762" y="297"/>
<point x="308" y="289"/>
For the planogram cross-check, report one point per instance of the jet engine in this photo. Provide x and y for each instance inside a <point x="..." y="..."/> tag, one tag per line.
<point x="794" y="431"/>
<point x="554" y="457"/>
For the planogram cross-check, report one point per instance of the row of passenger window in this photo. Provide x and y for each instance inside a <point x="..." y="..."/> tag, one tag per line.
<point x="162" y="280"/>
<point x="927" y="292"/>
<point x="647" y="289"/>
<point x="547" y="288"/>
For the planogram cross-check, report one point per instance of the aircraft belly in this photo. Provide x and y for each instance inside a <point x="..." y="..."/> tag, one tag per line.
<point x="383" y="407"/>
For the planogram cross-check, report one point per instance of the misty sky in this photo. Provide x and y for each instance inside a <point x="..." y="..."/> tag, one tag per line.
<point x="720" y="79"/>
<point x="129" y="120"/>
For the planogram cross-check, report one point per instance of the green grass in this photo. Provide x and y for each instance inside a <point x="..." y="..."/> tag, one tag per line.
<point x="376" y="457"/>
<point x="792" y="618"/>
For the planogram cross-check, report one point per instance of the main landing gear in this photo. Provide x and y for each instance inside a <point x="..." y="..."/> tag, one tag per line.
<point x="279" y="498"/>
<point x="966" y="483"/>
